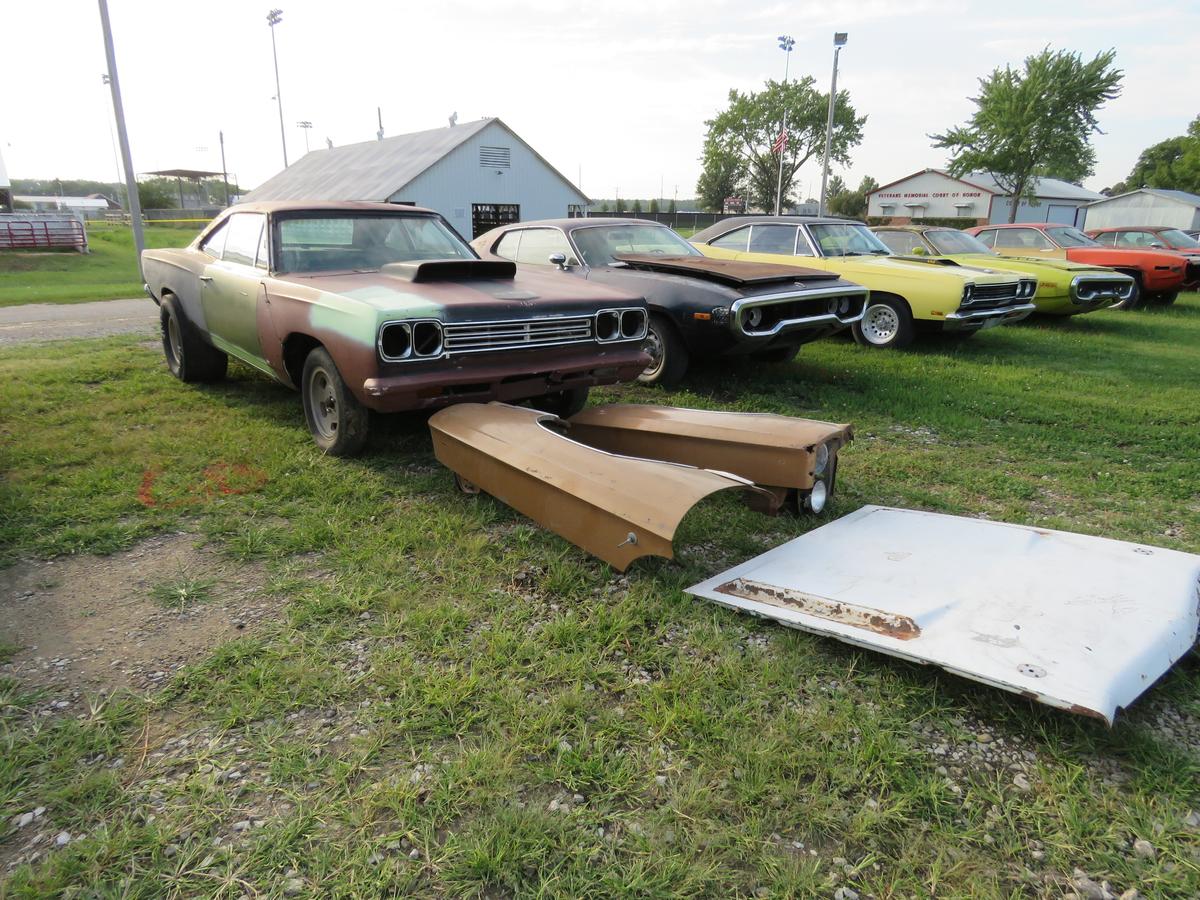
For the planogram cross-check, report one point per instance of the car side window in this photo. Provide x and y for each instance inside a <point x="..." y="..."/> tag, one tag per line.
<point x="509" y="245"/>
<point x="1106" y="237"/>
<point x="215" y="242"/>
<point x="538" y="244"/>
<point x="1023" y="238"/>
<point x="241" y="246"/>
<point x="903" y="242"/>
<point x="1133" y="239"/>
<point x="773" y="239"/>
<point x="987" y="237"/>
<point x="735" y="240"/>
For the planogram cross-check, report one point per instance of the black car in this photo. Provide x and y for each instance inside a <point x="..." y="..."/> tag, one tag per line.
<point x="699" y="307"/>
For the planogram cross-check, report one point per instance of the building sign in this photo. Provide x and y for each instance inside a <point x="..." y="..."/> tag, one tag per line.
<point x="927" y="195"/>
<point x="733" y="206"/>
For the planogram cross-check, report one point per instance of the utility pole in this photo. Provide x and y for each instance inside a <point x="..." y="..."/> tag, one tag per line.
<point x="274" y="17"/>
<point x="839" y="41"/>
<point x="307" y="126"/>
<point x="131" y="188"/>
<point x="785" y="44"/>
<point x="379" y="115"/>
<point x="224" y="171"/>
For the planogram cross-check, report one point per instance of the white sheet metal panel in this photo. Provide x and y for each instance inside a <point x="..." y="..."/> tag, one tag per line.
<point x="1082" y="623"/>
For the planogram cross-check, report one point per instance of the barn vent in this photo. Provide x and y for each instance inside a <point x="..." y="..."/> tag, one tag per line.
<point x="495" y="157"/>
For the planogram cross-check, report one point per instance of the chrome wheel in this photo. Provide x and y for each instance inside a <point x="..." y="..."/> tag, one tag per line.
<point x="880" y="325"/>
<point x="322" y="401"/>
<point x="653" y="345"/>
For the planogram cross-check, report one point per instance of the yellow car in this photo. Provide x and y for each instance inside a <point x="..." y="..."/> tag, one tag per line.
<point x="906" y="294"/>
<point x="1064" y="288"/>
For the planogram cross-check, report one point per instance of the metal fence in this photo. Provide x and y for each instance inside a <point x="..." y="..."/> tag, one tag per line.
<point x="42" y="231"/>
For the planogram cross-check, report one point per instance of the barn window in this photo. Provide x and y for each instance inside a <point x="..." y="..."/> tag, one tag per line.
<point x="495" y="157"/>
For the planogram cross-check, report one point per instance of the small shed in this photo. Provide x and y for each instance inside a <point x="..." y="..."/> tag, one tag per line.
<point x="1146" y="206"/>
<point x="477" y="174"/>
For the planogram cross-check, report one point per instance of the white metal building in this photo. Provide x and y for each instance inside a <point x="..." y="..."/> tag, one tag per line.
<point x="933" y="194"/>
<point x="1146" y="206"/>
<point x="477" y="174"/>
<point x="5" y="189"/>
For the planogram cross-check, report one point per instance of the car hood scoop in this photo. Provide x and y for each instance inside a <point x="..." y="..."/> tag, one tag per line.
<point x="726" y="271"/>
<point x="451" y="270"/>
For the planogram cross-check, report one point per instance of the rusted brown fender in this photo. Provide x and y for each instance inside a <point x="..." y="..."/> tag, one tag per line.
<point x="616" y="507"/>
<point x="776" y="452"/>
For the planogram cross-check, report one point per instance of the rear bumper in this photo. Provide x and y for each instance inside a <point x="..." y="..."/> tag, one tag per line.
<point x="977" y="318"/>
<point x="507" y="377"/>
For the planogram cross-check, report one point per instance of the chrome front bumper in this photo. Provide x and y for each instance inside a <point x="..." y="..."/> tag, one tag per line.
<point x="741" y="309"/>
<point x="1082" y="295"/>
<point x="980" y="317"/>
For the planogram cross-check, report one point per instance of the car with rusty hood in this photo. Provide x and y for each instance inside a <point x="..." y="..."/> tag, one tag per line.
<point x="378" y="307"/>
<point x="907" y="295"/>
<point x="1158" y="276"/>
<point x="1064" y="288"/>
<point x="1155" y="237"/>
<point x="699" y="307"/>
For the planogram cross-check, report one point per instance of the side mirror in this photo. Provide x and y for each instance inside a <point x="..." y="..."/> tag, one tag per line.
<point x="1156" y="245"/>
<point x="559" y="259"/>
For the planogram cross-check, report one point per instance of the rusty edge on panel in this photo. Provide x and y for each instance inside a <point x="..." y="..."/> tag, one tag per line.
<point x="773" y="451"/>
<point x="616" y="507"/>
<point x="890" y="624"/>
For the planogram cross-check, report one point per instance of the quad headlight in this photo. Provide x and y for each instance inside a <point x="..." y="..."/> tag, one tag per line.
<point x="818" y="497"/>
<point x="1027" y="289"/>
<point x="415" y="339"/>
<point x="820" y="459"/>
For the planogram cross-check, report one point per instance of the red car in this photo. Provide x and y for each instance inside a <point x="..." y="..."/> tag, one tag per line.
<point x="1158" y="275"/>
<point x="1155" y="237"/>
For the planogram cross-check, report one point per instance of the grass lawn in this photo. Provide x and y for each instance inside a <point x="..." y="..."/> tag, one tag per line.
<point x="108" y="272"/>
<point x="452" y="701"/>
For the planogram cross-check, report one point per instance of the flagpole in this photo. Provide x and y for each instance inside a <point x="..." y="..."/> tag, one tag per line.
<point x="785" y="44"/>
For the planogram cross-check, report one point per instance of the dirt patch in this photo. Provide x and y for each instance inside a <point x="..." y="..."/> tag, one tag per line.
<point x="89" y="623"/>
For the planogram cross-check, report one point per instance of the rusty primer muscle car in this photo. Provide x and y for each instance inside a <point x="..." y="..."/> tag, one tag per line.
<point x="370" y="306"/>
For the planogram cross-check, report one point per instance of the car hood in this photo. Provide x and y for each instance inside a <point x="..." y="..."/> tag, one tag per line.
<point x="724" y="271"/>
<point x="525" y="294"/>
<point x="1118" y="256"/>
<point x="913" y="268"/>
<point x="985" y="260"/>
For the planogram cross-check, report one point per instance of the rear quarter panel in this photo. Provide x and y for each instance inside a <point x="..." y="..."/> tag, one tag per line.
<point x="177" y="271"/>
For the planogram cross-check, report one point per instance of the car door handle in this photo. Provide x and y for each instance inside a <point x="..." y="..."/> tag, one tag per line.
<point x="206" y="278"/>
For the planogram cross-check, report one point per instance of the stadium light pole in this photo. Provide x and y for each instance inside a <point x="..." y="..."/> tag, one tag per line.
<point x="839" y="41"/>
<point x="785" y="44"/>
<point x="274" y="17"/>
<point x="131" y="188"/>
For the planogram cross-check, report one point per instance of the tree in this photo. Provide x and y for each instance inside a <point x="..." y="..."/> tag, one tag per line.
<point x="737" y="146"/>
<point x="620" y="207"/>
<point x="1173" y="164"/>
<point x="1034" y="122"/>
<point x="851" y="203"/>
<point x="603" y="206"/>
<point x="637" y="207"/>
<point x="671" y="206"/>
<point x="653" y="206"/>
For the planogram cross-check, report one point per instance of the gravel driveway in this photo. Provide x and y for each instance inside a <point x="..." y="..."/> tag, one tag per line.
<point x="56" y="322"/>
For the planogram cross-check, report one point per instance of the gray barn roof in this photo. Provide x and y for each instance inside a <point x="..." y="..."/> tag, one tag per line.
<point x="1180" y="196"/>
<point x="374" y="170"/>
<point x="1044" y="188"/>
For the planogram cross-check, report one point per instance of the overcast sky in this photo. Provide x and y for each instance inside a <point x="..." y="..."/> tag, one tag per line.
<point x="616" y="90"/>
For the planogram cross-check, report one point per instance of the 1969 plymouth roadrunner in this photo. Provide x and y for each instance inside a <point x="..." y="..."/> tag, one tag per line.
<point x="906" y="294"/>
<point x="699" y="307"/>
<point x="371" y="306"/>
<point x="1064" y="288"/>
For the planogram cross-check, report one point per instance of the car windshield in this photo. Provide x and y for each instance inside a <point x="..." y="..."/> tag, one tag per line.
<point x="599" y="245"/>
<point x="363" y="242"/>
<point x="1070" y="237"/>
<point x="848" y="240"/>
<point x="1181" y="240"/>
<point x="948" y="243"/>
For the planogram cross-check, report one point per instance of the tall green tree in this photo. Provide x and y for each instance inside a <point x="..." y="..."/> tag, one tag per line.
<point x="847" y="202"/>
<point x="722" y="176"/>
<point x="1173" y="164"/>
<point x="1034" y="121"/>
<point x="739" y="139"/>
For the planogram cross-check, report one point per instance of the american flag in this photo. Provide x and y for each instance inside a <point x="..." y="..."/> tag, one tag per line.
<point x="780" y="142"/>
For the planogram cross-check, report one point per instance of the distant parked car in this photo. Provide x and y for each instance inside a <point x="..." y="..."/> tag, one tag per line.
<point x="906" y="294"/>
<point x="1155" y="237"/>
<point x="1064" y="288"/>
<point x="373" y="306"/>
<point x="699" y="307"/>
<point x="1158" y="276"/>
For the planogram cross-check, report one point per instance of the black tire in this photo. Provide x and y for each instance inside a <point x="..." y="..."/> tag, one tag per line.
<point x="1166" y="298"/>
<point x="563" y="404"/>
<point x="887" y="324"/>
<point x="337" y="421"/>
<point x="669" y="358"/>
<point x="1135" y="299"/>
<point x="189" y="357"/>
<point x="777" y="355"/>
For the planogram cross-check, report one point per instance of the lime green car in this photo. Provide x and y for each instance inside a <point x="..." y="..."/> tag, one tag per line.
<point x="907" y="295"/>
<point x="1064" y="288"/>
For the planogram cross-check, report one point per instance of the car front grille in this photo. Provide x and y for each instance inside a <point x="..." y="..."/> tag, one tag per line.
<point x="992" y="296"/>
<point x="476" y="337"/>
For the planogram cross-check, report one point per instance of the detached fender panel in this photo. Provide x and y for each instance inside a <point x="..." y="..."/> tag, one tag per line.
<point x="618" y="508"/>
